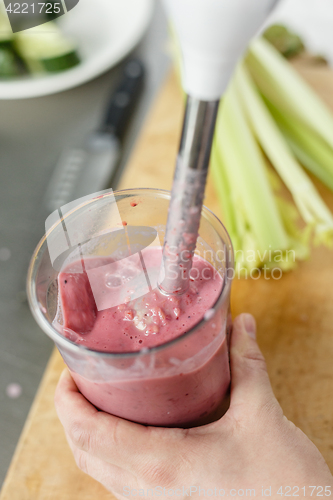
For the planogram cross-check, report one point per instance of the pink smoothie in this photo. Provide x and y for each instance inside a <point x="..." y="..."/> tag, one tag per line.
<point x="115" y="307"/>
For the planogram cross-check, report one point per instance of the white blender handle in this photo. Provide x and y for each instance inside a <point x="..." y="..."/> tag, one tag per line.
<point x="213" y="34"/>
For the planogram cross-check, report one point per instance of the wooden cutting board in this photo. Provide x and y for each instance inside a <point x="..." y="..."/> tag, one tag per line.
<point x="295" y="328"/>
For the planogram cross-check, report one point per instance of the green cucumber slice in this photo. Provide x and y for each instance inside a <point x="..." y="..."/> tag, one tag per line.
<point x="8" y="64"/>
<point x="61" y="63"/>
<point x="45" y="49"/>
<point x="6" y="34"/>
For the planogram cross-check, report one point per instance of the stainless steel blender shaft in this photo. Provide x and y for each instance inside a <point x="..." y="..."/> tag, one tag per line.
<point x="187" y="194"/>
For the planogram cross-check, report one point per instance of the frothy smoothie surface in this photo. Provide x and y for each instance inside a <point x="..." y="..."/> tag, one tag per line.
<point x="113" y="306"/>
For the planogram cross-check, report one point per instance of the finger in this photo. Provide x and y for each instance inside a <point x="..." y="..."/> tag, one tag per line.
<point x="66" y="388"/>
<point x="250" y="383"/>
<point x="112" y="477"/>
<point x="112" y="439"/>
<point x="93" y="431"/>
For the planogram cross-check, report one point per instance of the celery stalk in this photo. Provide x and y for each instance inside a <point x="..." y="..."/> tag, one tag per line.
<point x="311" y="206"/>
<point x="299" y="238"/>
<point x="312" y="152"/>
<point x="234" y="219"/>
<point x="309" y="162"/>
<point x="222" y="188"/>
<point x="245" y="170"/>
<point x="282" y="85"/>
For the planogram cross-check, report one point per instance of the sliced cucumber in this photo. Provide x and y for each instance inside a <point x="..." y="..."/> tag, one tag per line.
<point x="8" y="64"/>
<point x="45" y="49"/>
<point x="6" y="34"/>
<point x="61" y="63"/>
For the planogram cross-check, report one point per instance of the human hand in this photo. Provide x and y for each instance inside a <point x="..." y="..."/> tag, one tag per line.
<point x="253" y="446"/>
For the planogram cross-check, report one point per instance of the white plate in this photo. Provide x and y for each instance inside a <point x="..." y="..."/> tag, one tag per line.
<point x="105" y="30"/>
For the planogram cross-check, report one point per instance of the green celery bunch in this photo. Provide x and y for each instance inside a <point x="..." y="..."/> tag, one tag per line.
<point x="269" y="117"/>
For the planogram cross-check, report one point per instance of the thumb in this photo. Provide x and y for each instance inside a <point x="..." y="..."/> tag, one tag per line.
<point x="250" y="383"/>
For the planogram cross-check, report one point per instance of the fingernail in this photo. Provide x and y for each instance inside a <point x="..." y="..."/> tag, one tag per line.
<point x="250" y="325"/>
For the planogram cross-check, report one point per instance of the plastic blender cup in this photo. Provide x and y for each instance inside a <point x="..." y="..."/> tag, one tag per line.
<point x="183" y="382"/>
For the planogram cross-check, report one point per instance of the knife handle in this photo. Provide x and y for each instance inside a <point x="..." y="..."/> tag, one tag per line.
<point x="124" y="98"/>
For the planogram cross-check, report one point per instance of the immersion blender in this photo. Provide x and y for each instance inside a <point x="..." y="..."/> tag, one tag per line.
<point x="212" y="34"/>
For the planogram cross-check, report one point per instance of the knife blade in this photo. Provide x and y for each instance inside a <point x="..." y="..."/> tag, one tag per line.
<point x="89" y="169"/>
